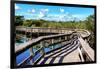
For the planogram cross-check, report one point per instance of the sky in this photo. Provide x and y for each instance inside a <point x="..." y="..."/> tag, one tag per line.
<point x="52" y="13"/>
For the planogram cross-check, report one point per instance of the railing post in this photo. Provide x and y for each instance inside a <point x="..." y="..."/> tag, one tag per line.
<point x="68" y="37"/>
<point x="89" y="52"/>
<point x="61" y="31"/>
<point x="31" y="34"/>
<point x="65" y="37"/>
<point x="31" y="54"/>
<point x="38" y="32"/>
<point x="59" y="39"/>
<point x="80" y="53"/>
<point x="41" y="44"/>
<point x="50" y="30"/>
<point x="26" y="32"/>
<point x="52" y="41"/>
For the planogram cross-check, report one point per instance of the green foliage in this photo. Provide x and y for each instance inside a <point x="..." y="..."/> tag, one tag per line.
<point x="27" y="23"/>
<point x="86" y="24"/>
<point x="90" y="22"/>
<point x="19" y="20"/>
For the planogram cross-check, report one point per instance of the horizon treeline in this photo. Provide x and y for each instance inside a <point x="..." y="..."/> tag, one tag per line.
<point x="87" y="24"/>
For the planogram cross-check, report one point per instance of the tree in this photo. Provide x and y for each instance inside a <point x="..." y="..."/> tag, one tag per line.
<point x="19" y="20"/>
<point x="28" y="23"/>
<point x="38" y="23"/>
<point x="90" y="26"/>
<point x="90" y="22"/>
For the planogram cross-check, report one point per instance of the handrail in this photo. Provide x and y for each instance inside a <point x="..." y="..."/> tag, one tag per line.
<point x="84" y="31"/>
<point x="53" y="30"/>
<point x="30" y="44"/>
<point x="43" y="29"/>
<point x="87" y="49"/>
<point x="21" y="48"/>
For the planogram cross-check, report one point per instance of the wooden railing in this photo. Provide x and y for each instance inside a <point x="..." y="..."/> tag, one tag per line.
<point x="50" y="41"/>
<point x="86" y="52"/>
<point x="41" y="42"/>
<point x="43" y="30"/>
<point x="84" y="33"/>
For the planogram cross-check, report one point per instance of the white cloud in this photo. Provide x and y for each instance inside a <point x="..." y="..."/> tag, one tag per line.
<point x="46" y="10"/>
<point x="61" y="10"/>
<point x="41" y="14"/>
<point x="31" y="11"/>
<point x="17" y="7"/>
<point x="80" y="16"/>
<point x="62" y="17"/>
<point x="38" y="13"/>
<point x="53" y="15"/>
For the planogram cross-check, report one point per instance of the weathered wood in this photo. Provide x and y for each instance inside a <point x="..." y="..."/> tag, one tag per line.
<point x="81" y="56"/>
<point x="65" y="37"/>
<point x="52" y="41"/>
<point x="41" y="45"/>
<point x="84" y="33"/>
<point x="59" y="39"/>
<point x="45" y="30"/>
<point x="88" y="50"/>
<point x="21" y="48"/>
<point x="31" y="54"/>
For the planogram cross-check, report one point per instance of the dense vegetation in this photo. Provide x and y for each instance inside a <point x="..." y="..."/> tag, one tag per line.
<point x="86" y="24"/>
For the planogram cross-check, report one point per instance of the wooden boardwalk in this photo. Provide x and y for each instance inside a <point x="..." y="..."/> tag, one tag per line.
<point x="87" y="49"/>
<point x="43" y="30"/>
<point x="82" y="32"/>
<point x="73" y="47"/>
<point x="68" y="53"/>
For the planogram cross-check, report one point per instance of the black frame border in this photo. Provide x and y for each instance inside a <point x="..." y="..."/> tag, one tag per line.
<point x="12" y="34"/>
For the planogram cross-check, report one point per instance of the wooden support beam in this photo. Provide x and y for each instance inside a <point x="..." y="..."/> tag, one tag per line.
<point x="26" y="31"/>
<point x="68" y="37"/>
<point x="31" y="54"/>
<point x="59" y="39"/>
<point x="42" y="46"/>
<point x="88" y="50"/>
<point x="81" y="56"/>
<point x="65" y="37"/>
<point x="52" y="41"/>
<point x="38" y="30"/>
<point x="31" y="34"/>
